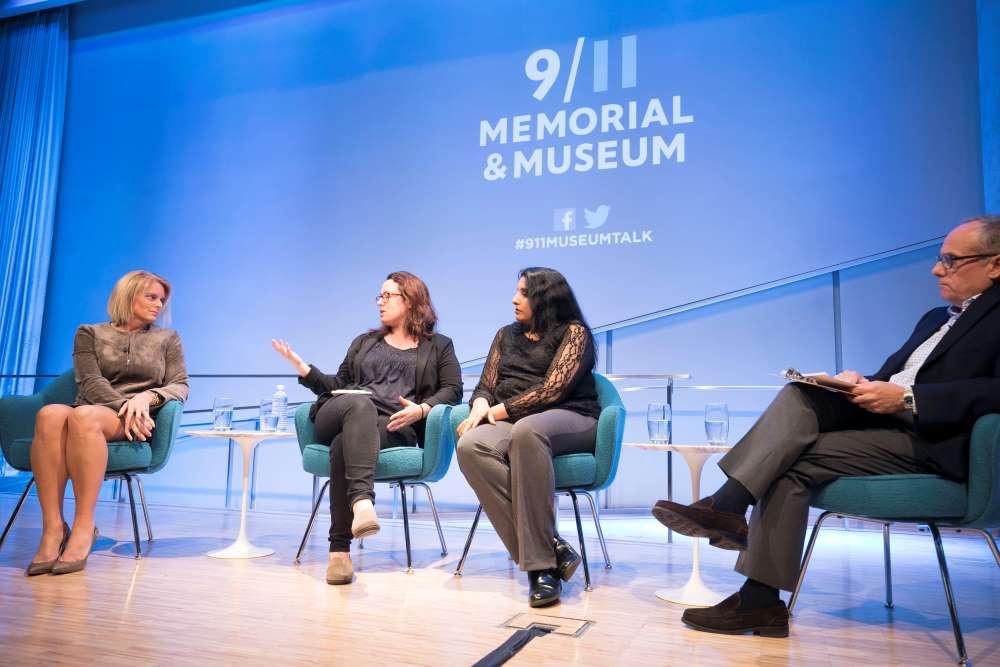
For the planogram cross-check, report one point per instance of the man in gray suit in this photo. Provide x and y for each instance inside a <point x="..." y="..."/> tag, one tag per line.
<point x="913" y="416"/>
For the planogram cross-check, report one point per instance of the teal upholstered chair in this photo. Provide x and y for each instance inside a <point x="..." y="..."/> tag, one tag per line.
<point x="399" y="466"/>
<point x="922" y="499"/>
<point x="126" y="460"/>
<point x="578" y="474"/>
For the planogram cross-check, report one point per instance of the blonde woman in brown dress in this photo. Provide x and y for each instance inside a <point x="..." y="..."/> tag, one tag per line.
<point x="125" y="369"/>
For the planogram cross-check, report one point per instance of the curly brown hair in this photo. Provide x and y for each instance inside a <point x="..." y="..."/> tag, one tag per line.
<point x="420" y="318"/>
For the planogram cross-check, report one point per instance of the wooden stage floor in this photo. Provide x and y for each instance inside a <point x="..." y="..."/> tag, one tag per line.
<point x="178" y="607"/>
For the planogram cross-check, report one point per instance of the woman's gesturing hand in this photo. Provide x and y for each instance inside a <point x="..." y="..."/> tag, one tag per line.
<point x="480" y="410"/>
<point x="135" y="417"/>
<point x="410" y="413"/>
<point x="282" y="347"/>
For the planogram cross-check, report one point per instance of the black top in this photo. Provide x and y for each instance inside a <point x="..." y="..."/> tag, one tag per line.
<point x="531" y="376"/>
<point x="958" y="383"/>
<point x="438" y="375"/>
<point x="388" y="373"/>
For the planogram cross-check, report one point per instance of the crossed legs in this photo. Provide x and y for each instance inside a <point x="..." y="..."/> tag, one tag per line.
<point x="70" y="444"/>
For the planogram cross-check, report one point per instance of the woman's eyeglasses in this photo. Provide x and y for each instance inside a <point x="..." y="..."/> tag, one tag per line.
<point x="385" y="296"/>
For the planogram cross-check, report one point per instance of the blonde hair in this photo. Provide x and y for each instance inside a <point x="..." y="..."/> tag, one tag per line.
<point x="125" y="291"/>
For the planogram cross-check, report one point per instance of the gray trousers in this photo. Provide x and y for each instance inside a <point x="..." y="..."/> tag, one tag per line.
<point x="806" y="438"/>
<point x="509" y="466"/>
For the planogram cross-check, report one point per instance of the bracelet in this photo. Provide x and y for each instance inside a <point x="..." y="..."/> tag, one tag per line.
<point x="422" y="412"/>
<point x="155" y="400"/>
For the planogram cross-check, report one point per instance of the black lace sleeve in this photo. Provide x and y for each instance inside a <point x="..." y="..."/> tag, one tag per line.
<point x="574" y="357"/>
<point x="488" y="379"/>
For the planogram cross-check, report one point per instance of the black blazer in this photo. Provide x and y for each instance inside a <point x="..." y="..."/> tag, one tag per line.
<point x="959" y="382"/>
<point x="439" y="376"/>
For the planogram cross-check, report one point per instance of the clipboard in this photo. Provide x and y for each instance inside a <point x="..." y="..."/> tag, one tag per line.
<point x="821" y="380"/>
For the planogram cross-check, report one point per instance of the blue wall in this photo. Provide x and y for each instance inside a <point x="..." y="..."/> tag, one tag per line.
<point x="276" y="159"/>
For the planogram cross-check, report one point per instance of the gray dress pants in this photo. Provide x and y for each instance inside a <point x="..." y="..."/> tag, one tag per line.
<point x="509" y="466"/>
<point x="806" y="438"/>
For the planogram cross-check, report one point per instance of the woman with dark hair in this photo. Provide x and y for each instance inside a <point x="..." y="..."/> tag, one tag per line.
<point x="538" y="397"/>
<point x="398" y="373"/>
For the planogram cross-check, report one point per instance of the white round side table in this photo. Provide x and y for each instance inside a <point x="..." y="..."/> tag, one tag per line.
<point x="694" y="593"/>
<point x="247" y="440"/>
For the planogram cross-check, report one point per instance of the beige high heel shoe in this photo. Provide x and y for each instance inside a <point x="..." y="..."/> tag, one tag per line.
<point x="67" y="567"/>
<point x="45" y="566"/>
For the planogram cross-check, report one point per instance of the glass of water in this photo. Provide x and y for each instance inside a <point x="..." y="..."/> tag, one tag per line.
<point x="658" y="416"/>
<point x="222" y="414"/>
<point x="268" y="420"/>
<point x="716" y="423"/>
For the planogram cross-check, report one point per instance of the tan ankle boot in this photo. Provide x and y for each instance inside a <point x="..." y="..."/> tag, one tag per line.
<point x="365" y="522"/>
<point x="340" y="571"/>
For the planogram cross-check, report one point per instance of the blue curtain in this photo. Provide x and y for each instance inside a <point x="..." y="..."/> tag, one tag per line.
<point x="34" y="59"/>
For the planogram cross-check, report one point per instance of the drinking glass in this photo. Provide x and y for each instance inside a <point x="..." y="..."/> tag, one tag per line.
<point x="222" y="414"/>
<point x="658" y="416"/>
<point x="268" y="420"/>
<point x="716" y="423"/>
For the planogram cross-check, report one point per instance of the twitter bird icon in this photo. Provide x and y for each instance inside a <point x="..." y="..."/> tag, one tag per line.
<point x="596" y="218"/>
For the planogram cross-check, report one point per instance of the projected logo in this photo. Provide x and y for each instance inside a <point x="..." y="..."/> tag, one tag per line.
<point x="564" y="220"/>
<point x="592" y="136"/>
<point x="596" y="218"/>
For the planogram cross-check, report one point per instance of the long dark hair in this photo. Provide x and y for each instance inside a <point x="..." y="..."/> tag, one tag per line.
<point x="552" y="300"/>
<point x="420" y="316"/>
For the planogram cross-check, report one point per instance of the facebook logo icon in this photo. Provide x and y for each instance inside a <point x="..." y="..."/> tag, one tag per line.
<point x="564" y="219"/>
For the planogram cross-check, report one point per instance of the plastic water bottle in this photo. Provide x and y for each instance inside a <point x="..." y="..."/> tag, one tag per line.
<point x="279" y="407"/>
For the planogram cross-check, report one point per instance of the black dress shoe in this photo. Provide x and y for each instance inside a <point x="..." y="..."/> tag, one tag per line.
<point x="544" y="588"/>
<point x="567" y="559"/>
<point x="725" y="530"/>
<point x="728" y="619"/>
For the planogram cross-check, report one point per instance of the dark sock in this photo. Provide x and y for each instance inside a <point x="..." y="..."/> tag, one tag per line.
<point x="732" y="497"/>
<point x="755" y="595"/>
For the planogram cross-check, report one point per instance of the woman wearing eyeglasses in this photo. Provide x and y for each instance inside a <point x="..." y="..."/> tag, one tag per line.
<point x="408" y="369"/>
<point x="536" y="399"/>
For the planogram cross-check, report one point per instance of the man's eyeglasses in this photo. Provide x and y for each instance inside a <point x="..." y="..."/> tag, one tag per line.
<point x="385" y="296"/>
<point x="948" y="260"/>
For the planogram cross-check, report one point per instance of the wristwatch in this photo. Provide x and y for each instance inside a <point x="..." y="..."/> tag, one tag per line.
<point x="908" y="400"/>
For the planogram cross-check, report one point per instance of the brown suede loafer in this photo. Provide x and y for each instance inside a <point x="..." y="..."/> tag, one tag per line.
<point x="339" y="571"/>
<point x="728" y="619"/>
<point x="725" y="530"/>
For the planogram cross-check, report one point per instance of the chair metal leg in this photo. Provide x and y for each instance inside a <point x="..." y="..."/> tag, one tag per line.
<point x="982" y="531"/>
<point x="434" y="513"/>
<point x="145" y="510"/>
<point x="888" y="565"/>
<point x="413" y="499"/>
<point x="312" y="518"/>
<point x="395" y="499"/>
<point x="17" y="508"/>
<point x="583" y="546"/>
<point x="963" y="657"/>
<point x="468" y="542"/>
<point x="229" y="471"/>
<point x="253" y="479"/>
<point x="600" y="533"/>
<point x="135" y="519"/>
<point x="406" y="527"/>
<point x="805" y="560"/>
